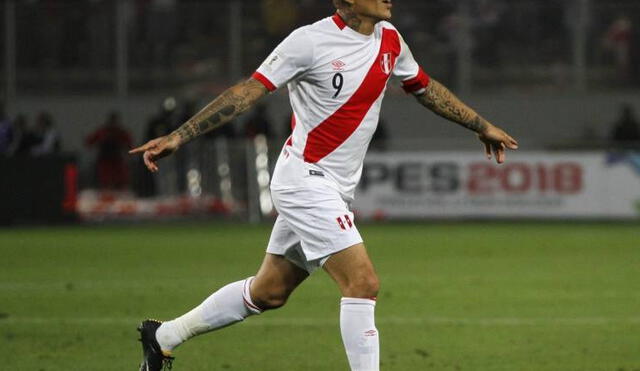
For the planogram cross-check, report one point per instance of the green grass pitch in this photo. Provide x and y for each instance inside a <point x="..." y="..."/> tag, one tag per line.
<point x="455" y="296"/>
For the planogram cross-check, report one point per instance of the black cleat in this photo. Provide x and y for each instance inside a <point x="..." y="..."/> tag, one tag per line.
<point x="154" y="359"/>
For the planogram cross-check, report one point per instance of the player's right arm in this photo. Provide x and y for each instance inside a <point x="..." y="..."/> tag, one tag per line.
<point x="290" y="59"/>
<point x="231" y="103"/>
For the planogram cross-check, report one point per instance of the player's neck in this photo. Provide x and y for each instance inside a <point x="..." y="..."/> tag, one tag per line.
<point x="358" y="23"/>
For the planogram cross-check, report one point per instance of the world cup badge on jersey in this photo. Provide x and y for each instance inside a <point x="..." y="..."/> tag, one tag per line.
<point x="387" y="63"/>
<point x="274" y="61"/>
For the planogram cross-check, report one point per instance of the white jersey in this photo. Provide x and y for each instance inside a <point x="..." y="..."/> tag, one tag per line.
<point x="336" y="79"/>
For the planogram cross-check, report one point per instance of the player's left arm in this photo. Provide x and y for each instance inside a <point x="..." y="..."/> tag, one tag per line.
<point x="444" y="103"/>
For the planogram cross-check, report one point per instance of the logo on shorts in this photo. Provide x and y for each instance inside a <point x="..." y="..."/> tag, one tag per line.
<point x="344" y="222"/>
<point x="387" y="63"/>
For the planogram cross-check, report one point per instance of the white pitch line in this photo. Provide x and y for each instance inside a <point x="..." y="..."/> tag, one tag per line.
<point x="300" y="321"/>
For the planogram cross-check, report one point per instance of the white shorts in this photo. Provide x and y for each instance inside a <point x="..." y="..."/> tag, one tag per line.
<point x="313" y="224"/>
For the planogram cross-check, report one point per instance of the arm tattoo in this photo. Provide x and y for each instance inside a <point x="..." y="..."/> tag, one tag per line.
<point x="233" y="102"/>
<point x="445" y="104"/>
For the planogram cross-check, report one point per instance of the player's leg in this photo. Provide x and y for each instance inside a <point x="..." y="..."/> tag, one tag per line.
<point x="269" y="289"/>
<point x="358" y="282"/>
<point x="276" y="279"/>
<point x="353" y="271"/>
<point x="322" y="221"/>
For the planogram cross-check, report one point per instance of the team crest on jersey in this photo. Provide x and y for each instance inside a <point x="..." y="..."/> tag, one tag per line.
<point x="338" y="65"/>
<point x="387" y="62"/>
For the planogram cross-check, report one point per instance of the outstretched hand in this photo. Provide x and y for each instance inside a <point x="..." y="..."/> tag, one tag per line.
<point x="156" y="149"/>
<point x="496" y="141"/>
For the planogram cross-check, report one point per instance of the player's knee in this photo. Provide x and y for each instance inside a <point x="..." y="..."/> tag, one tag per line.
<point x="365" y="286"/>
<point x="271" y="300"/>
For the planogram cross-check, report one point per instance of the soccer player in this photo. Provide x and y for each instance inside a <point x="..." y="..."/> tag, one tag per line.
<point x="336" y="71"/>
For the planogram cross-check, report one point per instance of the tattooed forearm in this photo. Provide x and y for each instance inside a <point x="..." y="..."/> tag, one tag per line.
<point x="223" y="109"/>
<point x="444" y="103"/>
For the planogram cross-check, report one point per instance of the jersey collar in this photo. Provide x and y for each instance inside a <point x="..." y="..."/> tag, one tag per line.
<point x="339" y="21"/>
<point x="342" y="25"/>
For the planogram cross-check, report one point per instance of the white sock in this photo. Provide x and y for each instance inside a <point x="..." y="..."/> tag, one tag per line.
<point x="225" y="307"/>
<point x="359" y="334"/>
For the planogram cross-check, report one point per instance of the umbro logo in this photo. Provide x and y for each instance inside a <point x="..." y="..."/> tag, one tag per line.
<point x="338" y="65"/>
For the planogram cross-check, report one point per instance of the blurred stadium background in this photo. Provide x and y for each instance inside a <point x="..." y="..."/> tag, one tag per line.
<point x="84" y="80"/>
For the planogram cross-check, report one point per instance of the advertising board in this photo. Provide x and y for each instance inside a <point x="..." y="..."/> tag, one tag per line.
<point x="528" y="185"/>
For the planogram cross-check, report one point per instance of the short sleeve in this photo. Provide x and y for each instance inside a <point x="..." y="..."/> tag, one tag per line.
<point x="414" y="79"/>
<point x="290" y="59"/>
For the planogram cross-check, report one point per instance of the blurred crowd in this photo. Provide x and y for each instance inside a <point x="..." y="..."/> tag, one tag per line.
<point x="625" y="130"/>
<point x="19" y="138"/>
<point x="175" y="43"/>
<point x="113" y="169"/>
<point x="519" y="39"/>
<point x="108" y="143"/>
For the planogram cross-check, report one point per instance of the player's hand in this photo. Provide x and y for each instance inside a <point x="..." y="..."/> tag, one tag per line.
<point x="496" y="141"/>
<point x="156" y="149"/>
